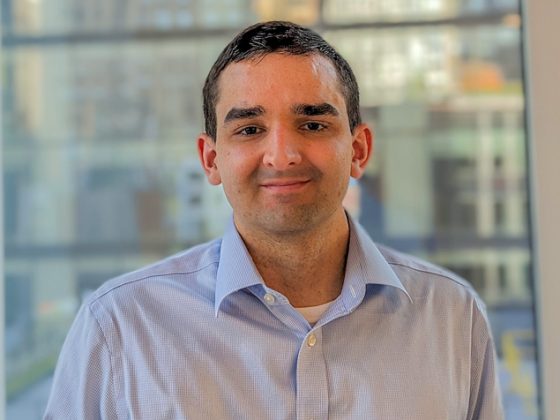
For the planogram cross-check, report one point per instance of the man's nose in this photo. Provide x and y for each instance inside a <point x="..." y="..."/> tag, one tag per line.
<point x="282" y="150"/>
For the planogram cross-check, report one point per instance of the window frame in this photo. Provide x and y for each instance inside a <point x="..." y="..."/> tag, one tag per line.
<point x="542" y="92"/>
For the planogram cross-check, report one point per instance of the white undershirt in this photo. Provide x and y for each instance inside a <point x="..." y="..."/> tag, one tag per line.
<point x="313" y="313"/>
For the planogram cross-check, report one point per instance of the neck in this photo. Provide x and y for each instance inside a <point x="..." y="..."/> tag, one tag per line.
<point x="308" y="267"/>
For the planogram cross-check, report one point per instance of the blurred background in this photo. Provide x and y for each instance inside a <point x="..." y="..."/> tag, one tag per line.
<point x="102" y="105"/>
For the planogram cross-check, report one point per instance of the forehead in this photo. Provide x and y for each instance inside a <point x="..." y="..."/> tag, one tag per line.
<point x="279" y="78"/>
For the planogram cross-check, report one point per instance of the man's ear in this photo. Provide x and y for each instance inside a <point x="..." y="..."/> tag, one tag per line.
<point x="362" y="145"/>
<point x="207" y="155"/>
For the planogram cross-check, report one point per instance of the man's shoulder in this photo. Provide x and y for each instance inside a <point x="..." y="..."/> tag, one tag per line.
<point x="177" y="267"/>
<point x="422" y="278"/>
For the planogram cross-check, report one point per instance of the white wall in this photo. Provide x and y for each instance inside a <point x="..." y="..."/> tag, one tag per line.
<point x="542" y="35"/>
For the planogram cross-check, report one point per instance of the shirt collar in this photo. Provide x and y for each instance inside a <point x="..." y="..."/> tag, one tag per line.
<point x="365" y="265"/>
<point x="236" y="269"/>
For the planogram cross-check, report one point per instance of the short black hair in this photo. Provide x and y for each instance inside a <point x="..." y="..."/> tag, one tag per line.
<point x="278" y="37"/>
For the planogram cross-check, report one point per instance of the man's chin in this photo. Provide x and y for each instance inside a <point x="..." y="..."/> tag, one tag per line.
<point x="288" y="222"/>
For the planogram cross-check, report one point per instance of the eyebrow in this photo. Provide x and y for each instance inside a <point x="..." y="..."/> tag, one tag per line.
<point x="241" y="113"/>
<point x="315" y="109"/>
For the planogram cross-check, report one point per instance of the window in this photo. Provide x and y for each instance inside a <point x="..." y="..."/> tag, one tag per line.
<point x="101" y="108"/>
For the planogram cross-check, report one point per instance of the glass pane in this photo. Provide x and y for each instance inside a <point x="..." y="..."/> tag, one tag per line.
<point x="449" y="177"/>
<point x="36" y="17"/>
<point x="364" y="11"/>
<point x="101" y="177"/>
<point x="102" y="103"/>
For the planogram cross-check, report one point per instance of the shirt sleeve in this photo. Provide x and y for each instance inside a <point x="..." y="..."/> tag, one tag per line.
<point x="83" y="381"/>
<point x="485" y="395"/>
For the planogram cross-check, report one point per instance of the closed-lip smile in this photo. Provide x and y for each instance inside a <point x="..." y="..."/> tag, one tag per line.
<point x="284" y="184"/>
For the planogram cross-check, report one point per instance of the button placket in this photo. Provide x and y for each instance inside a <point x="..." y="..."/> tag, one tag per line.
<point x="312" y="385"/>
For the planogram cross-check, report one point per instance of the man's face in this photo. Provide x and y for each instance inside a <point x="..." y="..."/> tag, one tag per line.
<point x="283" y="151"/>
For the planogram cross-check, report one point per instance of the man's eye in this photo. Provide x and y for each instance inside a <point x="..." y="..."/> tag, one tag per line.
<point x="314" y="126"/>
<point x="249" y="131"/>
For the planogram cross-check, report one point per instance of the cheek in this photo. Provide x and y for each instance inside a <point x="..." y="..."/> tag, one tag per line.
<point x="343" y="164"/>
<point x="235" y="168"/>
<point x="342" y="158"/>
<point x="225" y="163"/>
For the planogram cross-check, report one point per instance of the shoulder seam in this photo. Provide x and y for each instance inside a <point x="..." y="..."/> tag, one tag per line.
<point x="465" y="285"/>
<point x="112" y="361"/>
<point x="134" y="280"/>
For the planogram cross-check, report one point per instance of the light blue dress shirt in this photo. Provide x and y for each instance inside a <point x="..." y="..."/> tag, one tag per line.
<point x="199" y="336"/>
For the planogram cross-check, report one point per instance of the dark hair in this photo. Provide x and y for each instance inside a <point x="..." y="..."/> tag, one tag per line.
<point x="283" y="37"/>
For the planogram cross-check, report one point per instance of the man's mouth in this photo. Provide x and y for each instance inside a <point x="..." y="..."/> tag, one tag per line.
<point x="285" y="185"/>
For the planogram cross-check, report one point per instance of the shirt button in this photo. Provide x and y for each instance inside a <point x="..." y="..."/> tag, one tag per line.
<point x="312" y="340"/>
<point x="269" y="298"/>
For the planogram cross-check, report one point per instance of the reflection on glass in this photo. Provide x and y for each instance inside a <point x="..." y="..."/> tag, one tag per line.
<point x="360" y="11"/>
<point x="43" y="17"/>
<point x="101" y="174"/>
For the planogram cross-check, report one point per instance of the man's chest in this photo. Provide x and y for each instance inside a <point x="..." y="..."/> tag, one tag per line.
<point x="378" y="366"/>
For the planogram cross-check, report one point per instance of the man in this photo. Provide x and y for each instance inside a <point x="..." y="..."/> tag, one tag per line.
<point x="294" y="313"/>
